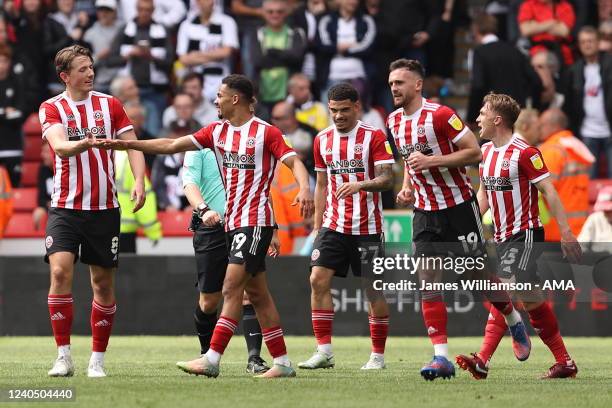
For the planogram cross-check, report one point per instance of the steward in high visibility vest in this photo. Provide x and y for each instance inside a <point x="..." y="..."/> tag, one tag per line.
<point x="6" y="200"/>
<point x="569" y="162"/>
<point x="146" y="218"/>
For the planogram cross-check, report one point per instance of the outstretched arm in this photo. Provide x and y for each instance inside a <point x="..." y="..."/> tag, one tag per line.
<point x="155" y="146"/>
<point x="67" y="148"/>
<point x="137" y="164"/>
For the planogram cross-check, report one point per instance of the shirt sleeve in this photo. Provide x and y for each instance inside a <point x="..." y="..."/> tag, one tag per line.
<point x="380" y="149"/>
<point x="120" y="119"/>
<point x="48" y="117"/>
<point x="532" y="164"/>
<point x="182" y="40"/>
<point x="567" y="16"/>
<point x="525" y="13"/>
<point x="193" y="168"/>
<point x="319" y="163"/>
<point x="448" y="124"/>
<point x="230" y="33"/>
<point x="203" y="138"/>
<point x="277" y="144"/>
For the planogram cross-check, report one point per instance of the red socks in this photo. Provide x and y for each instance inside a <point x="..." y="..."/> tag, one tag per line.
<point x="379" y="328"/>
<point x="60" y="312"/>
<point x="544" y="322"/>
<point x="224" y="330"/>
<point x="101" y="325"/>
<point x="494" y="332"/>
<point x="322" y="321"/>
<point x="499" y="298"/>
<point x="275" y="341"/>
<point x="435" y="316"/>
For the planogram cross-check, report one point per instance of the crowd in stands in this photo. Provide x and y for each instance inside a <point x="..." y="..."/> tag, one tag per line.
<point x="164" y="59"/>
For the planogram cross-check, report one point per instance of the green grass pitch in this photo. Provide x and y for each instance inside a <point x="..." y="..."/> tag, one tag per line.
<point x="142" y="374"/>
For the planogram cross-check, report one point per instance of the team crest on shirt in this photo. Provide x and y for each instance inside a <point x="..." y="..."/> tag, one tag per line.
<point x="315" y="254"/>
<point x="328" y="151"/>
<point x="221" y="143"/>
<point x="49" y="241"/>
<point x="250" y="142"/>
<point x="358" y="149"/>
<point x="70" y="116"/>
<point x="505" y="164"/>
<point x="536" y="161"/>
<point x="421" y="130"/>
<point x="455" y="122"/>
<point x="98" y="115"/>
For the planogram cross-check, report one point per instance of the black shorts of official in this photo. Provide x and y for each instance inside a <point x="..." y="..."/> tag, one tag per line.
<point x="95" y="233"/>
<point x="338" y="251"/>
<point x="248" y="246"/>
<point x="452" y="231"/>
<point x="518" y="256"/>
<point x="211" y="258"/>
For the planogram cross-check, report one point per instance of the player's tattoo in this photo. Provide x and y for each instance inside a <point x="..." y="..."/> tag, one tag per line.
<point x="382" y="181"/>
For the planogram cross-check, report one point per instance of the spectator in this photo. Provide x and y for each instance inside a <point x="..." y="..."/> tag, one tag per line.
<point x="125" y="89"/>
<point x="278" y="51"/>
<point x="588" y="99"/>
<point x="22" y="66"/>
<point x="346" y="38"/>
<point x="568" y="161"/>
<point x="12" y="115"/>
<point x="451" y="14"/>
<point x="61" y="29"/>
<point x="206" y="44"/>
<point x="166" y="174"/>
<point x="144" y="49"/>
<point x="307" y="110"/>
<point x="596" y="233"/>
<point x="547" y="66"/>
<point x="137" y="114"/>
<point x="6" y="200"/>
<point x="28" y="22"/>
<point x="605" y="36"/>
<point x="44" y="186"/>
<point x="100" y="37"/>
<point x="131" y="222"/>
<point x="548" y="25"/>
<point x="497" y="67"/>
<point x="307" y="18"/>
<point x="526" y="126"/>
<point x="204" y="111"/>
<point x="299" y="134"/>
<point x="169" y="13"/>
<point x="249" y="16"/>
<point x="291" y="224"/>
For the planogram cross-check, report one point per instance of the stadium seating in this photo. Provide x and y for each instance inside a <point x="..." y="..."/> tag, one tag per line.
<point x="32" y="126"/>
<point x="29" y="174"/>
<point x="594" y="187"/>
<point x="24" y="199"/>
<point x="21" y="225"/>
<point x="32" y="147"/>
<point x="174" y="224"/>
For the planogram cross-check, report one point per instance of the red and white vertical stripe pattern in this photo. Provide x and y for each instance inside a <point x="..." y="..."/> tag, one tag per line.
<point x="426" y="131"/>
<point x="351" y="158"/>
<point x="85" y="181"/>
<point x="247" y="156"/>
<point x="511" y="193"/>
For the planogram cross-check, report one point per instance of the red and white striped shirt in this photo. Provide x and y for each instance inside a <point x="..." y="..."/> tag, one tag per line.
<point x="248" y="156"/>
<point x="432" y="130"/>
<point x="348" y="157"/>
<point x="508" y="174"/>
<point x="85" y="181"/>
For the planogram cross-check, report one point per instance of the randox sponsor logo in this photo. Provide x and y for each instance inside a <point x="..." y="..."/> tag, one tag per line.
<point x="346" y="166"/>
<point x="77" y="134"/>
<point x="239" y="161"/>
<point x="492" y="183"/>
<point x="407" y="150"/>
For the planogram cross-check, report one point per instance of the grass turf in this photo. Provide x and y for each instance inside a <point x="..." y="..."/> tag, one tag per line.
<point x="142" y="374"/>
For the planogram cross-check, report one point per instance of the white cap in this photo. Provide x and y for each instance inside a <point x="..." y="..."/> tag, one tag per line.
<point x="111" y="4"/>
